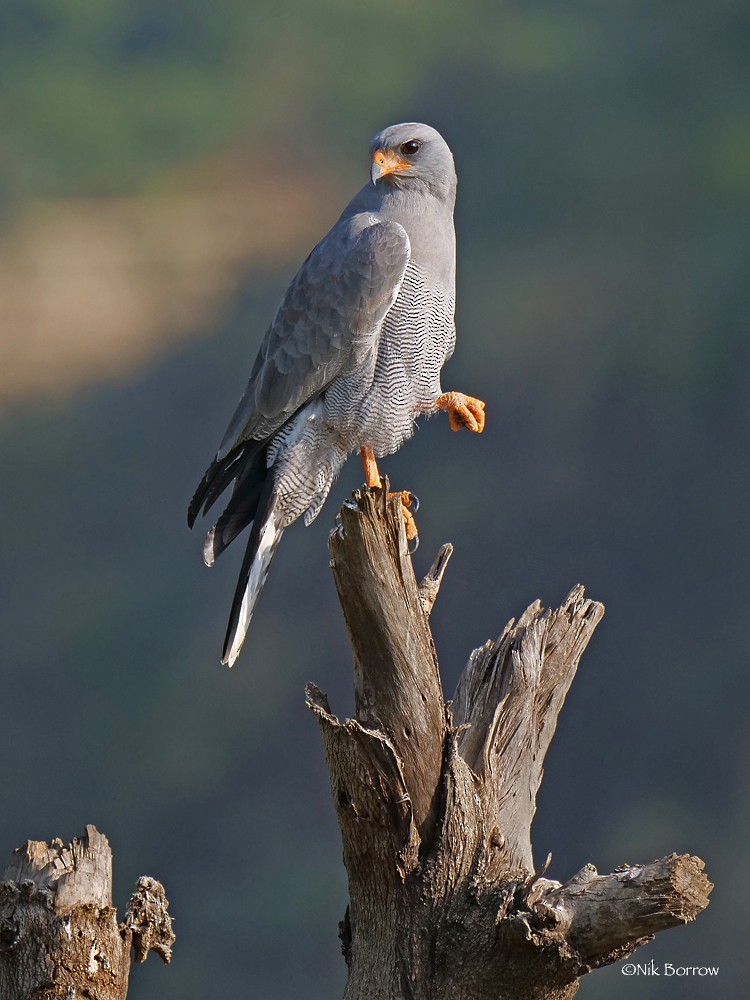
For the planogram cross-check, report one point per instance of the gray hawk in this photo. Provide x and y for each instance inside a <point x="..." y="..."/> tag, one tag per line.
<point x="350" y="360"/>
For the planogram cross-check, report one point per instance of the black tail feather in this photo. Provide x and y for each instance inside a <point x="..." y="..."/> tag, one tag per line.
<point x="240" y="510"/>
<point x="219" y="475"/>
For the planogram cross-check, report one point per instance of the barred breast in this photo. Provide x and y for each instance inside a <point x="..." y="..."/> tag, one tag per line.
<point x="378" y="404"/>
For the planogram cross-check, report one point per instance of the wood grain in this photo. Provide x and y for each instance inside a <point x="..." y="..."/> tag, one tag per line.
<point x="59" y="933"/>
<point x="435" y="802"/>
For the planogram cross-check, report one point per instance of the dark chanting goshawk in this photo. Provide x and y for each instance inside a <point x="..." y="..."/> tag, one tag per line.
<point x="350" y="360"/>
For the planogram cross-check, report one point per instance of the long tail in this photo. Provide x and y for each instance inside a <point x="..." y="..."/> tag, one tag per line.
<point x="264" y="537"/>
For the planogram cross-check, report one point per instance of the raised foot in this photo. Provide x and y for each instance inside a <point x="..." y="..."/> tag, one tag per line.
<point x="463" y="411"/>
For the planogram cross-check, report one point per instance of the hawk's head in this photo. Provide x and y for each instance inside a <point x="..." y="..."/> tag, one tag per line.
<point x="412" y="154"/>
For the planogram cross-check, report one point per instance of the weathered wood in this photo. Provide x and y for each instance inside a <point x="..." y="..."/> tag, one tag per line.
<point x="603" y="917"/>
<point x="435" y="811"/>
<point x="396" y="677"/>
<point x="59" y="933"/>
<point x="508" y="698"/>
<point x="430" y="585"/>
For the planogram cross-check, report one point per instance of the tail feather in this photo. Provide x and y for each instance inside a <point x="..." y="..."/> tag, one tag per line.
<point x="264" y="537"/>
<point x="253" y="500"/>
<point x="220" y="474"/>
<point x="241" y="509"/>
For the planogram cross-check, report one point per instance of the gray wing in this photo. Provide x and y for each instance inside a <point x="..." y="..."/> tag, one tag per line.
<point x="328" y="320"/>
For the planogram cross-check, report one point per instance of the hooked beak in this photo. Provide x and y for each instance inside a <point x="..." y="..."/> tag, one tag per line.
<point x="384" y="162"/>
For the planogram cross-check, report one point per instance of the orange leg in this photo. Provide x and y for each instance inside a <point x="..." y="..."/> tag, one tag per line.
<point x="463" y="411"/>
<point x="374" y="479"/>
<point x="372" y="474"/>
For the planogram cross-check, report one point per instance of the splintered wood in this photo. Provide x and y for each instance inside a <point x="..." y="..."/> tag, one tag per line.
<point x="59" y="933"/>
<point x="435" y="801"/>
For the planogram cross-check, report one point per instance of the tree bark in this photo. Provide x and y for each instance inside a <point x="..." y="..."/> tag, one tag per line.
<point x="59" y="934"/>
<point x="435" y="801"/>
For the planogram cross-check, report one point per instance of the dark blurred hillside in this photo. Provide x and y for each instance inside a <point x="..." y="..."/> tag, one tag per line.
<point x="603" y="219"/>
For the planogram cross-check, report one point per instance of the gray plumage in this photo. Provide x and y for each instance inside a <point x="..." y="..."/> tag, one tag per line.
<point x="351" y="358"/>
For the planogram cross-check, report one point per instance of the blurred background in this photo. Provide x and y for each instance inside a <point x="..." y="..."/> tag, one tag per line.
<point x="164" y="167"/>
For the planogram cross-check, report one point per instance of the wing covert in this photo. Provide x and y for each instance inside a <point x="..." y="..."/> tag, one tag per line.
<point x="329" y="319"/>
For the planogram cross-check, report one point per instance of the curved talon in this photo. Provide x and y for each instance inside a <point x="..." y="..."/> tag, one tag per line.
<point x="407" y="499"/>
<point x="412" y="545"/>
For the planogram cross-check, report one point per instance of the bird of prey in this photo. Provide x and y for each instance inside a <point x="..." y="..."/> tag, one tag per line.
<point x="350" y="360"/>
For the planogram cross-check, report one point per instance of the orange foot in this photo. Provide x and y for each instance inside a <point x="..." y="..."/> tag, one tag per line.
<point x="463" y="411"/>
<point x="373" y="479"/>
<point x="408" y="500"/>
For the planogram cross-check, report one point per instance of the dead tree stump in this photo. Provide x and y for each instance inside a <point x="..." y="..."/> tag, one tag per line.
<point x="435" y="801"/>
<point x="59" y="934"/>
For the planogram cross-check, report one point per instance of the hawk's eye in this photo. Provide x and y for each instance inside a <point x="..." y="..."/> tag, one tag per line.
<point x="410" y="148"/>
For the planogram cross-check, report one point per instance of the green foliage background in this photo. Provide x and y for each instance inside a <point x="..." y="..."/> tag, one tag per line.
<point x="603" y="152"/>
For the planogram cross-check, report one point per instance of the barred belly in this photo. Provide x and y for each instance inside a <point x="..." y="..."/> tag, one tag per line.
<point x="376" y="404"/>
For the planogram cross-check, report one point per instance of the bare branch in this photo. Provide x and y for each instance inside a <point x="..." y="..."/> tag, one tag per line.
<point x="430" y="585"/>
<point x="605" y="917"/>
<point x="509" y="697"/>
<point x="397" y="681"/>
